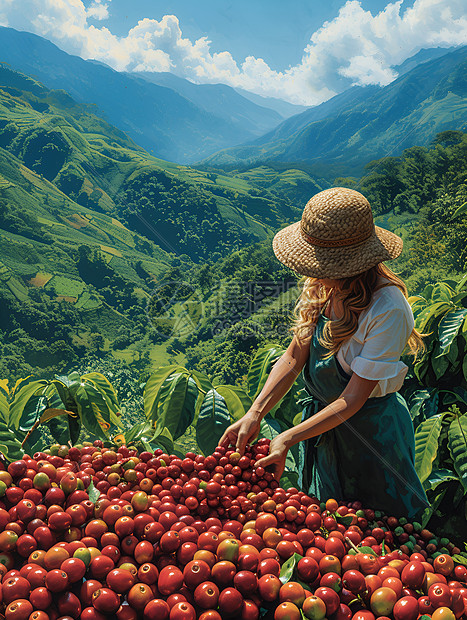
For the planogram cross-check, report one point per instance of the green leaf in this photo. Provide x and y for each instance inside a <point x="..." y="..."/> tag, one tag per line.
<point x="464" y="367"/>
<point x="442" y="292"/>
<point x="202" y="381"/>
<point x="432" y="312"/>
<point x="459" y="299"/>
<point x="461" y="284"/>
<point x="50" y="413"/>
<point x="460" y="210"/>
<point x="439" y="364"/>
<point x="427" y="291"/>
<point x="59" y="396"/>
<point x="428" y="512"/>
<point x="426" y="445"/>
<point x="240" y="393"/>
<point x="92" y="409"/>
<point x="103" y="412"/>
<point x="260" y="367"/>
<point x="270" y="427"/>
<point x="162" y="438"/>
<point x="418" y="401"/>
<point x="420" y="369"/>
<point x="20" y="406"/>
<point x="74" y="427"/>
<point x="437" y="477"/>
<point x="367" y="550"/>
<point x="413" y="299"/>
<point x="34" y="408"/>
<point x="457" y="442"/>
<point x="448" y="329"/>
<point x="10" y="446"/>
<point x="93" y="493"/>
<point x="73" y="377"/>
<point x="453" y="354"/>
<point x="289" y="479"/>
<point x="458" y="395"/>
<point x="34" y="442"/>
<point x="213" y="420"/>
<point x="458" y="495"/>
<point x="297" y="419"/>
<point x="204" y="385"/>
<point x="59" y="429"/>
<point x="235" y="403"/>
<point x="152" y="388"/>
<point x="459" y="559"/>
<point x="4" y="401"/>
<point x="103" y="385"/>
<point x="345" y="520"/>
<point x="288" y="568"/>
<point x="177" y="403"/>
<point x="137" y="431"/>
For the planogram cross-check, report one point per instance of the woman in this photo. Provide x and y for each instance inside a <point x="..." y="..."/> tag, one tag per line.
<point x="353" y="322"/>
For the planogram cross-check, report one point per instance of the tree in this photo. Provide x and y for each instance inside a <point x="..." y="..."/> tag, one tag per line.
<point x="97" y="341"/>
<point x="449" y="137"/>
<point x="383" y="183"/>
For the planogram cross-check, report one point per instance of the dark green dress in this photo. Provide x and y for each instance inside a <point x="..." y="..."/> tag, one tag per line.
<point x="369" y="457"/>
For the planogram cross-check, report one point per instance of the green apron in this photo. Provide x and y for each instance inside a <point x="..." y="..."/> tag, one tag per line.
<point x="369" y="457"/>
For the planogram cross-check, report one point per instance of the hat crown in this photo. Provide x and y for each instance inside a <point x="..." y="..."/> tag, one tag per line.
<point x="337" y="214"/>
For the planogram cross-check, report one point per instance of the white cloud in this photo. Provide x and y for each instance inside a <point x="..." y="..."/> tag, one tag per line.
<point x="356" y="47"/>
<point x="98" y="10"/>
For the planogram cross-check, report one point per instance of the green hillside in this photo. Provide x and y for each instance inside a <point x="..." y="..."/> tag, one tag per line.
<point x="98" y="167"/>
<point x="90" y="223"/>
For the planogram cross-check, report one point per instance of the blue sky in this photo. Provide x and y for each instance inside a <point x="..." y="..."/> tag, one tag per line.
<point x="276" y="30"/>
<point x="302" y="51"/>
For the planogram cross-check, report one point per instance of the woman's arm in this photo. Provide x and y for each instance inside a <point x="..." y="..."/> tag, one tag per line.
<point x="283" y="374"/>
<point x="349" y="402"/>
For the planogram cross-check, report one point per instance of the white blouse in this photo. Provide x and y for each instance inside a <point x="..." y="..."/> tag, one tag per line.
<point x="374" y="350"/>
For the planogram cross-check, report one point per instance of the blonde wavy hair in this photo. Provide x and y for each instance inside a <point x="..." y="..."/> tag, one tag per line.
<point x="355" y="294"/>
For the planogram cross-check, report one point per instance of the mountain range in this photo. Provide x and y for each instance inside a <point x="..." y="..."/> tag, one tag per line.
<point x="365" y="122"/>
<point x="168" y="116"/>
<point x="216" y="126"/>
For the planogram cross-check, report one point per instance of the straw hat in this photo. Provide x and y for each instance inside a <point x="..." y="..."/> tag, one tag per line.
<point x="336" y="237"/>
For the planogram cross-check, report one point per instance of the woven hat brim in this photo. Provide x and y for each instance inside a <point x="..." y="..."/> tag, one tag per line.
<point x="341" y="262"/>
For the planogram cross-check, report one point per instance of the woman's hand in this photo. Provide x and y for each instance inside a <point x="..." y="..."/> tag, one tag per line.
<point x="276" y="458"/>
<point x="242" y="432"/>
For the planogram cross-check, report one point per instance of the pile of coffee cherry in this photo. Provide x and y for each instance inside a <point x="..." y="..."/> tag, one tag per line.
<point x="96" y="533"/>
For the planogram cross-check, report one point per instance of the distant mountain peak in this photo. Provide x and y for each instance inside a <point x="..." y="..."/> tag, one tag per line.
<point x="423" y="55"/>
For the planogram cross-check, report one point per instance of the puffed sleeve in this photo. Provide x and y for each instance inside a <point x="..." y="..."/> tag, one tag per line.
<point x="385" y="338"/>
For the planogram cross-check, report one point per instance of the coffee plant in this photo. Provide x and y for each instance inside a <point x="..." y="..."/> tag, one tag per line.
<point x="436" y="394"/>
<point x="64" y="405"/>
